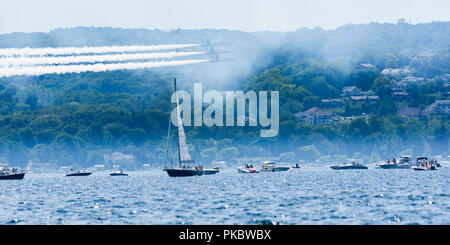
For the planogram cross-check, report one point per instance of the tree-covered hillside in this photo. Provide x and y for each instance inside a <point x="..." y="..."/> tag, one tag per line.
<point x="78" y="119"/>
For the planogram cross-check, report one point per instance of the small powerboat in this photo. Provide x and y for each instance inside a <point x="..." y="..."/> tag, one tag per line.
<point x="271" y="167"/>
<point x="247" y="169"/>
<point x="297" y="166"/>
<point x="77" y="173"/>
<point x="352" y="165"/>
<point x="118" y="173"/>
<point x="405" y="162"/>
<point x="210" y="171"/>
<point x="422" y="164"/>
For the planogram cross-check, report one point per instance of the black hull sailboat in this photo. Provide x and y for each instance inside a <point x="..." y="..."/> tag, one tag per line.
<point x="186" y="163"/>
<point x="180" y="172"/>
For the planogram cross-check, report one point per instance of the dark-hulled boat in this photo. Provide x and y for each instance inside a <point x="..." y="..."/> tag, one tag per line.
<point x="77" y="173"/>
<point x="118" y="173"/>
<point x="11" y="174"/>
<point x="187" y="166"/>
<point x="352" y="165"/>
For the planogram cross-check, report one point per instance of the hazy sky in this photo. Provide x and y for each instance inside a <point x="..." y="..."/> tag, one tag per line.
<point x="247" y="15"/>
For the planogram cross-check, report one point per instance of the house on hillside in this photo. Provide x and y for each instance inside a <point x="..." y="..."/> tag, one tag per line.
<point x="367" y="65"/>
<point x="410" y="112"/>
<point x="365" y="98"/>
<point x="401" y="95"/>
<point x="351" y="91"/>
<point x="368" y="93"/>
<point x="399" y="86"/>
<point x="439" y="107"/>
<point x="412" y="79"/>
<point x="315" y="115"/>
<point x="331" y="103"/>
<point x="396" y="72"/>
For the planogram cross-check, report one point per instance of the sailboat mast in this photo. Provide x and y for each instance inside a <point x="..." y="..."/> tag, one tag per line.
<point x="178" y="112"/>
<point x="168" y="144"/>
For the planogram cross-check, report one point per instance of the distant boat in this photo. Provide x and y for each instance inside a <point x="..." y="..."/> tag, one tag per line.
<point x="186" y="163"/>
<point x="77" y="173"/>
<point x="247" y="169"/>
<point x="210" y="171"/>
<point x="352" y="165"/>
<point x="405" y="162"/>
<point x="297" y="166"/>
<point x="270" y="166"/>
<point x="422" y="164"/>
<point x="11" y="174"/>
<point x="118" y="173"/>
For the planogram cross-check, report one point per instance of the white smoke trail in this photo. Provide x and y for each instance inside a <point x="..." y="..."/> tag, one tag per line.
<point x="88" y="50"/>
<point x="28" y="61"/>
<point x="41" y="70"/>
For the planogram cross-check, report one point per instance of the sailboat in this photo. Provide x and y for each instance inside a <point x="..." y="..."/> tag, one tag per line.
<point x="186" y="163"/>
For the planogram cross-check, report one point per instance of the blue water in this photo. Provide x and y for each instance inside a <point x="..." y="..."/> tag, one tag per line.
<point x="308" y="196"/>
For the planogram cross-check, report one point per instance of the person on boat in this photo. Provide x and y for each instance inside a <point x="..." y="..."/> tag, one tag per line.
<point x="394" y="160"/>
<point x="389" y="161"/>
<point x="251" y="166"/>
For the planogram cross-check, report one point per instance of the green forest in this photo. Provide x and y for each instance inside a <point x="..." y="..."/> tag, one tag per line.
<point x="77" y="119"/>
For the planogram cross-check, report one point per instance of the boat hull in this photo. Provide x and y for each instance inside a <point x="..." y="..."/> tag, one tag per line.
<point x="348" y="167"/>
<point x="78" y="174"/>
<point x="113" y="174"/>
<point x="419" y="168"/>
<point x="395" y="166"/>
<point x="210" y="171"/>
<point x="12" y="176"/>
<point x="275" y="169"/>
<point x="173" y="172"/>
<point x="247" y="171"/>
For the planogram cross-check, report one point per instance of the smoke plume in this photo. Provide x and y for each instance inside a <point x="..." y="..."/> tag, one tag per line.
<point x="41" y="70"/>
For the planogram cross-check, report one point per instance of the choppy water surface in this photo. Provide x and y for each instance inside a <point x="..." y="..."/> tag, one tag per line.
<point x="306" y="196"/>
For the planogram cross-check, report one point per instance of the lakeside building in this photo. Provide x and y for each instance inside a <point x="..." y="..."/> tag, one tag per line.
<point x="396" y="72"/>
<point x="351" y="91"/>
<point x="410" y="113"/>
<point x="439" y="107"/>
<point x="399" y="86"/>
<point x="401" y="95"/>
<point x="365" y="98"/>
<point x="331" y="103"/>
<point x="413" y="79"/>
<point x="315" y="115"/>
<point x="367" y="65"/>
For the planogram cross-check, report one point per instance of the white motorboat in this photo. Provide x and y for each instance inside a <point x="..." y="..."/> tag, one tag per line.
<point x="405" y="162"/>
<point x="214" y="170"/>
<point x="422" y="164"/>
<point x="270" y="166"/>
